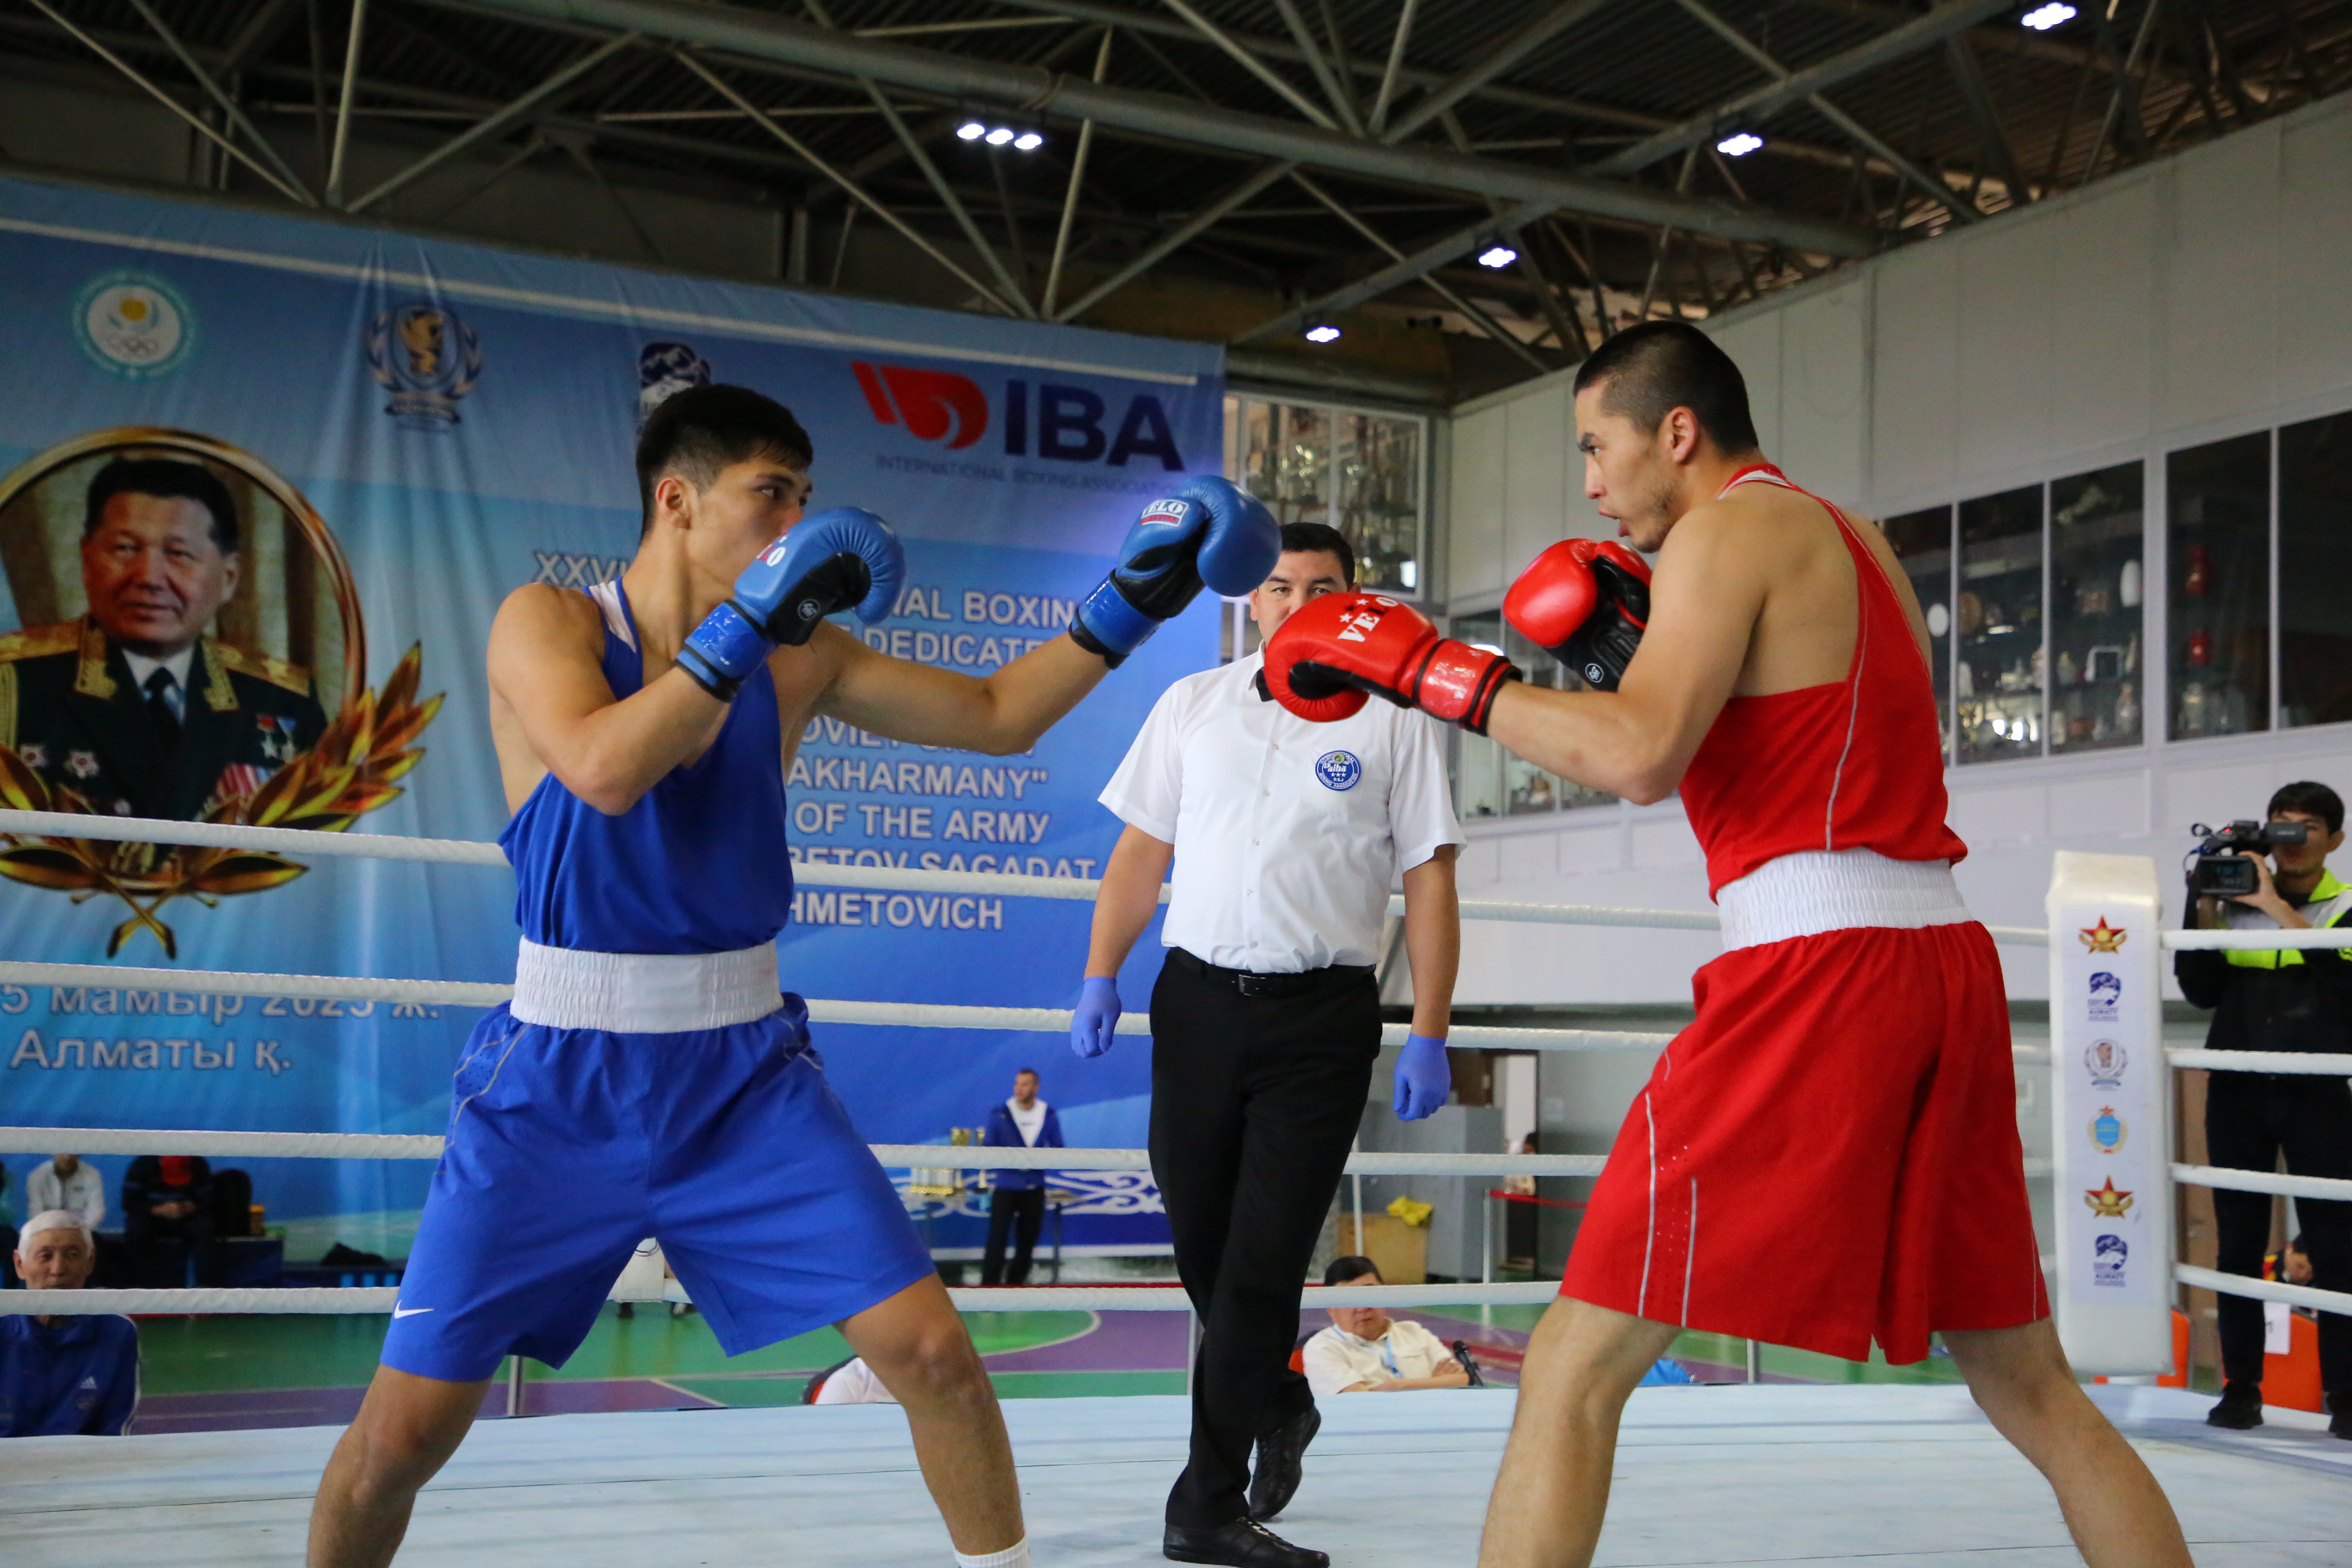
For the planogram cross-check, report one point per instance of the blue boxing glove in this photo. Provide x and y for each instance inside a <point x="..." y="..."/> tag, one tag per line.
<point x="1423" y="1078"/>
<point x="1210" y="531"/>
<point x="1091" y="1027"/>
<point x="838" y="559"/>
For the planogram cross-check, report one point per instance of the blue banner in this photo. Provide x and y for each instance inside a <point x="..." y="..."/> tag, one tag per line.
<point x="312" y="459"/>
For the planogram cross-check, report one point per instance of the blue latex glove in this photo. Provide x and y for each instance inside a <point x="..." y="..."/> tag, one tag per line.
<point x="1210" y="531"/>
<point x="1423" y="1078"/>
<point x="1097" y="1015"/>
<point x="832" y="560"/>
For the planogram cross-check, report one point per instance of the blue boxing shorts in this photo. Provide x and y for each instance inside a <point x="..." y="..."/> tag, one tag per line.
<point x="567" y="1147"/>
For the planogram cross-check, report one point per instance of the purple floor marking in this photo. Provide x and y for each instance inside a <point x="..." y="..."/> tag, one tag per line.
<point x="247" y="1409"/>
<point x="1120" y="1342"/>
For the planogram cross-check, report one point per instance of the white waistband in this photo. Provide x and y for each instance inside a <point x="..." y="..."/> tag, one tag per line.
<point x="644" y="992"/>
<point x="1817" y="890"/>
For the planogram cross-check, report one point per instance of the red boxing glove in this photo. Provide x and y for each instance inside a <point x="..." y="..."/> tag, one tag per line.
<point x="1329" y="654"/>
<point x="1586" y="602"/>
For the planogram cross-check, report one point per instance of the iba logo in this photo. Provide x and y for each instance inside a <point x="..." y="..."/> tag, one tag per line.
<point x="1068" y="421"/>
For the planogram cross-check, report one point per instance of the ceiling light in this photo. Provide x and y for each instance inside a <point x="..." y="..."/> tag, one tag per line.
<point x="1322" y="332"/>
<point x="971" y="131"/>
<point x="1028" y="141"/>
<point x="1000" y="136"/>
<point x="1497" y="255"/>
<point x="1740" y="143"/>
<point x="2041" y="19"/>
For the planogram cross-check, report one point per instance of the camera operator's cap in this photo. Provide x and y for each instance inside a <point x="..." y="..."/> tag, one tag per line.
<point x="51" y="1219"/>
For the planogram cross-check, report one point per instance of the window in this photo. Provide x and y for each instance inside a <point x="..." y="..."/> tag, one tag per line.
<point x="2314" y="572"/>
<point x="2096" y="584"/>
<point x="1361" y="472"/>
<point x="1491" y="782"/>
<point x="1922" y="541"/>
<point x="2218" y="562"/>
<point x="1998" y="680"/>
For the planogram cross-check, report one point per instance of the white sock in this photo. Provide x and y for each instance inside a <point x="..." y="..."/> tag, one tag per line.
<point x="1013" y="1556"/>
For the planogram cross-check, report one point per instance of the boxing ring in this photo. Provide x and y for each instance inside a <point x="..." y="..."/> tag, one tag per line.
<point x="1719" y="1475"/>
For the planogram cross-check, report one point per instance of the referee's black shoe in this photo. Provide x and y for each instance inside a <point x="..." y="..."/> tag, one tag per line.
<point x="1244" y="1543"/>
<point x="2241" y="1409"/>
<point x="1280" y="1450"/>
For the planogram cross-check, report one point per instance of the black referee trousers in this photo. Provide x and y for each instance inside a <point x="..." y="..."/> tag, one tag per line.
<point x="1254" y="1102"/>
<point x="2250" y="1118"/>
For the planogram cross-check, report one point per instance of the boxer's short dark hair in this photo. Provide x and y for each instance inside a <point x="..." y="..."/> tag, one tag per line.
<point x="1303" y="538"/>
<point x="2313" y="799"/>
<point x="1648" y="371"/>
<point x="1344" y="1270"/>
<point x="166" y="478"/>
<point x="699" y="433"/>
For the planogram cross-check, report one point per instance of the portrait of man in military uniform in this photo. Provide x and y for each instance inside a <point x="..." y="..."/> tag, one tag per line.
<point x="137" y="707"/>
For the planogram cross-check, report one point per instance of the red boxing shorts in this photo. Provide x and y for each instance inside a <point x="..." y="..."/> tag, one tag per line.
<point x="1828" y="1155"/>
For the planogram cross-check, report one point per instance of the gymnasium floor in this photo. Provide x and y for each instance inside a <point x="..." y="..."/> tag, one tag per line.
<point x="225" y="1373"/>
<point x="1883" y="1476"/>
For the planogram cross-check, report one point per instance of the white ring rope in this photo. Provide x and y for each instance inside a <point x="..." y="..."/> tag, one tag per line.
<point x="910" y="1015"/>
<point x="2314" y="1063"/>
<point x="2255" y="940"/>
<point x="2273" y="1182"/>
<point x="911" y="1156"/>
<point x="379" y="1300"/>
<point x="2262" y="1290"/>
<point x="822" y="874"/>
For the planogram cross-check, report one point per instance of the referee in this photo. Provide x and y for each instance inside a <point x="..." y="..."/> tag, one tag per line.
<point x="1286" y="838"/>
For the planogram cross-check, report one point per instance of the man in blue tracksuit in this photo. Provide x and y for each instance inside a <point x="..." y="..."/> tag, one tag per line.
<point x="1017" y="1203"/>
<point x="65" y="1377"/>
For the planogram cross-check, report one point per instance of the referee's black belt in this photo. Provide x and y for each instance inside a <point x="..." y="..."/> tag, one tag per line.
<point x="1248" y="983"/>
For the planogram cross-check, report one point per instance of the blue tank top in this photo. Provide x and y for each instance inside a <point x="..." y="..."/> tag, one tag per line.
<point x="698" y="865"/>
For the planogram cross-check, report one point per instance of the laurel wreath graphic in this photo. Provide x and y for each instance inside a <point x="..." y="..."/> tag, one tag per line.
<point x="350" y="772"/>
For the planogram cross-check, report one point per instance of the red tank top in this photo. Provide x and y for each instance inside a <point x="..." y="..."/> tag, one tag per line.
<point x="1856" y="763"/>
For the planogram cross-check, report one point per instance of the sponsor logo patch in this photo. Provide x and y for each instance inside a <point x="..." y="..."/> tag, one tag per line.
<point x="2104" y="937"/>
<point x="2108" y="1202"/>
<point x="134" y="324"/>
<point x="2107" y="1130"/>
<point x="2108" y="1255"/>
<point x="1338" y="770"/>
<point x="2107" y="995"/>
<point x="2105" y="1061"/>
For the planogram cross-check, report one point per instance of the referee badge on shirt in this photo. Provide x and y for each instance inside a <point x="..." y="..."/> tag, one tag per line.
<point x="1338" y="770"/>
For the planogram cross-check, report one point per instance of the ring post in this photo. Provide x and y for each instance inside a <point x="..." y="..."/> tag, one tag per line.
<point x="2111" y="1105"/>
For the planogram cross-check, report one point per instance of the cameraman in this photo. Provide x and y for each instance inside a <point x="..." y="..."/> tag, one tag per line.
<point x="2280" y="1001"/>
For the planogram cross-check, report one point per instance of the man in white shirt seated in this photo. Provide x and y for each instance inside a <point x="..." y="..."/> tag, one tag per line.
<point x="851" y="1383"/>
<point x="1365" y="1350"/>
<point x="63" y="1182"/>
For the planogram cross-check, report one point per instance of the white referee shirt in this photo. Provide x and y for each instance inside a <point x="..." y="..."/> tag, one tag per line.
<point x="1289" y="835"/>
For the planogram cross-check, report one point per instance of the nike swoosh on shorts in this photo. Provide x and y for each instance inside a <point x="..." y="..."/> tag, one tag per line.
<point x="400" y="1311"/>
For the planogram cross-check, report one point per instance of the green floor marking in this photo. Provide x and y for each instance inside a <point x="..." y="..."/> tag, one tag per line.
<point x="224" y="1353"/>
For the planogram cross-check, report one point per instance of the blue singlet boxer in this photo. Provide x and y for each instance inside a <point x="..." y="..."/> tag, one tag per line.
<point x="568" y="1145"/>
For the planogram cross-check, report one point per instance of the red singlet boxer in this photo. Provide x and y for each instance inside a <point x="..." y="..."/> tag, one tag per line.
<point x="1829" y="1154"/>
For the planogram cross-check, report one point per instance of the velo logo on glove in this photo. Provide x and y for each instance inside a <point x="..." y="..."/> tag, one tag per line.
<point x="1363" y="617"/>
<point x="1172" y="512"/>
<point x="1338" y="770"/>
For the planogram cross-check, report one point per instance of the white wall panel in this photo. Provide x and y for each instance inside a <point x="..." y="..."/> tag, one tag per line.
<point x="2104" y="807"/>
<point x="2004" y="347"/>
<point x="1824" y="383"/>
<point x="1525" y="857"/>
<point x="1475" y="546"/>
<point x="1753" y="339"/>
<point x="1914" y="383"/>
<point x="1536" y="506"/>
<point x="2016" y="814"/>
<point x="2102" y="318"/>
<point x="1666" y="841"/>
<point x="1600" y="846"/>
<point x="2214" y="796"/>
<point x="2316" y="256"/>
<point x="2220" y="281"/>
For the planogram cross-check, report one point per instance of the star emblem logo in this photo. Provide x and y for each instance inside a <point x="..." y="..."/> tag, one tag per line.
<point x="2102" y="937"/>
<point x="2107" y="1202"/>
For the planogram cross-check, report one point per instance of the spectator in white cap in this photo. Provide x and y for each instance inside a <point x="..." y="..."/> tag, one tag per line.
<point x="64" y="1376"/>
<point x="63" y="1182"/>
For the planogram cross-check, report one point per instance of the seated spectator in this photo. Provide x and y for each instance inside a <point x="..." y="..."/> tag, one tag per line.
<point x="63" y="1182"/>
<point x="1016" y="1203"/>
<point x="1365" y="1350"/>
<point x="851" y="1383"/>
<point x="165" y="1198"/>
<point x="65" y="1377"/>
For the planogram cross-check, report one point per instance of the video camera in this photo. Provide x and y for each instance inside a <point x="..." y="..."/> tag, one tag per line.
<point x="2221" y="867"/>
